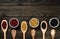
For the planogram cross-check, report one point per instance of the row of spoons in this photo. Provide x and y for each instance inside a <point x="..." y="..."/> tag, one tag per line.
<point x="33" y="22"/>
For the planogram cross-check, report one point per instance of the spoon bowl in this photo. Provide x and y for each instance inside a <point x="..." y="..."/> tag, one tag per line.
<point x="54" y="22"/>
<point x="34" y="22"/>
<point x="13" y="22"/>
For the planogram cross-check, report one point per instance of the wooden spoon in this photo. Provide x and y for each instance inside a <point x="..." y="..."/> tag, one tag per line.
<point x="33" y="33"/>
<point x="13" y="32"/>
<point x="4" y="27"/>
<point x="53" y="33"/>
<point x="43" y="28"/>
<point x="24" y="28"/>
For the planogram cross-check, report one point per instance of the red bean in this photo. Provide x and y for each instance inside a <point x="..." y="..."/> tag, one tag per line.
<point x="13" y="22"/>
<point x="4" y="25"/>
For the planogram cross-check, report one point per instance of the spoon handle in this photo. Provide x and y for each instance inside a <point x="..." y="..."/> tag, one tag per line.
<point x="52" y="37"/>
<point x="13" y="38"/>
<point x="4" y="35"/>
<point x="23" y="35"/>
<point x="33" y="37"/>
<point x="43" y="35"/>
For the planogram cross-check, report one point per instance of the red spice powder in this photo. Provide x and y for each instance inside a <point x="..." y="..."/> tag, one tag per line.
<point x="13" y="22"/>
<point x="4" y="25"/>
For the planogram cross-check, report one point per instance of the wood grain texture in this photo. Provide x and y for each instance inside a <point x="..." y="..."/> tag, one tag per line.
<point x="26" y="13"/>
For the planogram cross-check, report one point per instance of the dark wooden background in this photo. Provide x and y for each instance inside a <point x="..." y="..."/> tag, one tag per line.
<point x="25" y="10"/>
